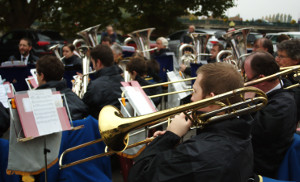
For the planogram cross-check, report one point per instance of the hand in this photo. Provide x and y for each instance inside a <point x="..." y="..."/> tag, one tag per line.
<point x="179" y="125"/>
<point x="159" y="133"/>
<point x="182" y="67"/>
<point x="249" y="95"/>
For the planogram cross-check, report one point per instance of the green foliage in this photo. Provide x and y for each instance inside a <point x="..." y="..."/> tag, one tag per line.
<point x="71" y="16"/>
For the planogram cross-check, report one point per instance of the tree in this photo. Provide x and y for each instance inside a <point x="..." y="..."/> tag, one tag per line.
<point x="70" y="16"/>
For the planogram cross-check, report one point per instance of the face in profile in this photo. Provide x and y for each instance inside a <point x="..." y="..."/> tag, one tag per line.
<point x="283" y="60"/>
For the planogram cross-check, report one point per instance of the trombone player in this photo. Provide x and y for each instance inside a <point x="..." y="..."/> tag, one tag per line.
<point x="274" y="125"/>
<point x="221" y="151"/>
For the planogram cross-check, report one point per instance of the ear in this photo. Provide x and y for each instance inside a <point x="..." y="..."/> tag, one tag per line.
<point x="211" y="94"/>
<point x="30" y="47"/>
<point x="42" y="76"/>
<point x="99" y="64"/>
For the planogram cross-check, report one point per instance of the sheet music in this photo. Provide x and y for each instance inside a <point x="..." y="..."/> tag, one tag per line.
<point x="3" y="96"/>
<point x="44" y="111"/>
<point x="138" y="100"/>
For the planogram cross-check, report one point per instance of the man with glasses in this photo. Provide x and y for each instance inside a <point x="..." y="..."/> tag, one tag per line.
<point x="24" y="54"/>
<point x="274" y="125"/>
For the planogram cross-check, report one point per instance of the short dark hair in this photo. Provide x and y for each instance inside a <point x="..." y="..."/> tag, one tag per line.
<point x="291" y="47"/>
<point x="52" y="68"/>
<point x="104" y="54"/>
<point x="29" y="42"/>
<point x="137" y="64"/>
<point x="282" y="37"/>
<point x="220" y="46"/>
<point x="216" y="76"/>
<point x="267" y="43"/>
<point x="105" y="39"/>
<point x="263" y="63"/>
<point x="70" y="46"/>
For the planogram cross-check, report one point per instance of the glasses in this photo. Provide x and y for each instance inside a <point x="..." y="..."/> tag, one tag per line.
<point x="281" y="57"/>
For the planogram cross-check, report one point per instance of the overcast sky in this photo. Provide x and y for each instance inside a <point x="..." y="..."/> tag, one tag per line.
<point x="256" y="9"/>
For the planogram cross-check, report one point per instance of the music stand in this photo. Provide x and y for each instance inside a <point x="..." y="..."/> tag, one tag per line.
<point x="29" y="134"/>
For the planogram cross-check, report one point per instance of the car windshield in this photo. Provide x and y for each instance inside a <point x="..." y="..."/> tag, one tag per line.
<point x="49" y="35"/>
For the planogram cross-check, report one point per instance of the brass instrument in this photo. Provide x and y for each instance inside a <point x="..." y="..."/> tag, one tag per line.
<point x="238" y="42"/>
<point x="54" y="48"/>
<point x="199" y="49"/>
<point x="142" y="41"/>
<point x="90" y="40"/>
<point x="114" y="128"/>
<point x="284" y="71"/>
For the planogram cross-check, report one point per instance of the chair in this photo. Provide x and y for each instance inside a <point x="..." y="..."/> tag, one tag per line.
<point x="290" y="166"/>
<point x="95" y="170"/>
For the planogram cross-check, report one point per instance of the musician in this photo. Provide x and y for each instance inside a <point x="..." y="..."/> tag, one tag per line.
<point x="50" y="71"/>
<point x="288" y="53"/>
<point x="221" y="151"/>
<point x="186" y="38"/>
<point x="212" y="59"/>
<point x="137" y="68"/>
<point x="162" y="47"/>
<point x="106" y="41"/>
<point x="70" y="60"/>
<point x="24" y="54"/>
<point x="263" y="44"/>
<point x="118" y="53"/>
<point x="275" y="124"/>
<point x="109" y="33"/>
<point x="105" y="88"/>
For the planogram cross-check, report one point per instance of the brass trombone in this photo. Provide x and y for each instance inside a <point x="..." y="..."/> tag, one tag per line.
<point x="115" y="134"/>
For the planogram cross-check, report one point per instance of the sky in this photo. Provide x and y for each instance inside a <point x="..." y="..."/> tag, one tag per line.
<point x="256" y="9"/>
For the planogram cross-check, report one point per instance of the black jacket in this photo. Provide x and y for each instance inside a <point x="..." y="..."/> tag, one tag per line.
<point x="220" y="152"/>
<point x="72" y="63"/>
<point x="272" y="132"/>
<point x="103" y="90"/>
<point x="32" y="59"/>
<point x="78" y="109"/>
<point x="4" y="119"/>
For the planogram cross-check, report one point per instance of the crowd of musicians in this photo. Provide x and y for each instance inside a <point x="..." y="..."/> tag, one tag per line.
<point x="240" y="148"/>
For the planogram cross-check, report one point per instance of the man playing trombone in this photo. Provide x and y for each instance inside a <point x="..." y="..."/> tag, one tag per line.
<point x="274" y="125"/>
<point x="221" y="151"/>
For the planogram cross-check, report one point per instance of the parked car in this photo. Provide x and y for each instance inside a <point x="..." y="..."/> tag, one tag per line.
<point x="273" y="37"/>
<point x="252" y="36"/>
<point x="174" y="38"/>
<point x="41" y="41"/>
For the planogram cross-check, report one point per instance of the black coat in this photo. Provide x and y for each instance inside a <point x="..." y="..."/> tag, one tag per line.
<point x="72" y="63"/>
<point x="32" y="59"/>
<point x="272" y="132"/>
<point x="103" y="90"/>
<point x="78" y="109"/>
<point x="4" y="119"/>
<point x="220" y="152"/>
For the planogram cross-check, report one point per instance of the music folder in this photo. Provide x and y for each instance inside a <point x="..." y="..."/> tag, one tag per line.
<point x="41" y="112"/>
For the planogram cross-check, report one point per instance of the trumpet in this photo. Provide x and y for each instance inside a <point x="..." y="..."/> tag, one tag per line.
<point x="116" y="134"/>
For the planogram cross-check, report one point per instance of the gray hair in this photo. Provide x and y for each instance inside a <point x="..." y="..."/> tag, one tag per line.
<point x="117" y="49"/>
<point x="291" y="47"/>
<point x="164" y="41"/>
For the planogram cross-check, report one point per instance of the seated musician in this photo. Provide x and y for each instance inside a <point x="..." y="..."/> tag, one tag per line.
<point x="137" y="68"/>
<point x="275" y="124"/>
<point x="24" y="54"/>
<point x="70" y="60"/>
<point x="162" y="47"/>
<point x="288" y="54"/>
<point x="221" y="151"/>
<point x="212" y="59"/>
<point x="50" y="71"/>
<point x="105" y="88"/>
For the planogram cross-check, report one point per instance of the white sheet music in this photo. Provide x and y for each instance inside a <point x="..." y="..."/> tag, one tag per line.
<point x="3" y="96"/>
<point x="138" y="100"/>
<point x="44" y="111"/>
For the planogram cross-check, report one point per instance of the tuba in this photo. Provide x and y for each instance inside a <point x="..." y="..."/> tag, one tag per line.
<point x="199" y="49"/>
<point x="55" y="48"/>
<point x="90" y="40"/>
<point x="238" y="42"/>
<point x="142" y="41"/>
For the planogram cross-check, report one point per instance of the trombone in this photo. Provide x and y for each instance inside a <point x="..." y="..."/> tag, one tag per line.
<point x="115" y="134"/>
